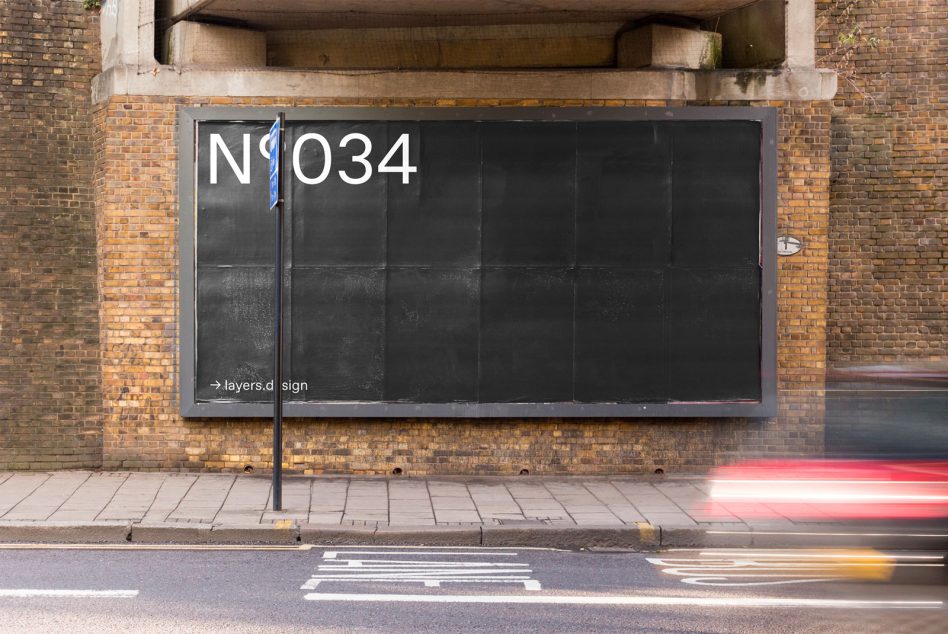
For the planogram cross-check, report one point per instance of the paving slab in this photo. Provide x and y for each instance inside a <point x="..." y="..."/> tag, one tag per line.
<point x="204" y="498"/>
<point x="169" y="496"/>
<point x="48" y="497"/>
<point x="455" y="517"/>
<point x="596" y="519"/>
<point x="245" y="502"/>
<point x="133" y="498"/>
<point x="297" y="496"/>
<point x="18" y="487"/>
<point x="405" y="490"/>
<point x="91" y="498"/>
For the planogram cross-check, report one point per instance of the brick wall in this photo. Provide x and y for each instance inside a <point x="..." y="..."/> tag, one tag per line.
<point x="137" y="230"/>
<point x="81" y="378"/>
<point x="888" y="292"/>
<point x="50" y="401"/>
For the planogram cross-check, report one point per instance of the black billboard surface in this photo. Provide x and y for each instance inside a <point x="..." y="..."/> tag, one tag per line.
<point x="440" y="266"/>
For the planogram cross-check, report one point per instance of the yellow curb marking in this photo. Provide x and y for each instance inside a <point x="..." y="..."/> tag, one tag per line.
<point x="647" y="532"/>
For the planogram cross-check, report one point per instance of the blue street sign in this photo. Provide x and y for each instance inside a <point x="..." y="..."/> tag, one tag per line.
<point x="275" y="163"/>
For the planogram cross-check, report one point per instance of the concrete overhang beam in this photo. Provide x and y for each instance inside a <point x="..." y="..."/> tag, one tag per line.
<point x="608" y="84"/>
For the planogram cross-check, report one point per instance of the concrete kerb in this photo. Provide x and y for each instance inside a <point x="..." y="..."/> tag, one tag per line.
<point x="695" y="537"/>
<point x="829" y="536"/>
<point x="835" y="536"/>
<point x="174" y="533"/>
<point x="65" y="532"/>
<point x="280" y="533"/>
<point x="168" y="533"/>
<point x="334" y="534"/>
<point x="639" y="537"/>
<point x="428" y="536"/>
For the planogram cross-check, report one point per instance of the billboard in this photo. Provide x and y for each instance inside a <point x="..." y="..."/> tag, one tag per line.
<point x="482" y="263"/>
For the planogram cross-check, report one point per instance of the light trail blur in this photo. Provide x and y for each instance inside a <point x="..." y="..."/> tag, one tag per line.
<point x="832" y="490"/>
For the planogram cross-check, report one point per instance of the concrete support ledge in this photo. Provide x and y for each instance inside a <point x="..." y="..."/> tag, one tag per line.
<point x="65" y="532"/>
<point x="618" y="84"/>
<point x="782" y="84"/>
<point x="196" y="43"/>
<point x="663" y="46"/>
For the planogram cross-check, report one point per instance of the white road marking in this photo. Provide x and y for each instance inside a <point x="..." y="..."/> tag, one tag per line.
<point x="723" y="581"/>
<point x="715" y="602"/>
<point x="152" y="547"/>
<point x="750" y="568"/>
<point x="332" y="554"/>
<point x="738" y="571"/>
<point x="67" y="594"/>
<point x="403" y="563"/>
<point x="430" y="548"/>
<point x="349" y="566"/>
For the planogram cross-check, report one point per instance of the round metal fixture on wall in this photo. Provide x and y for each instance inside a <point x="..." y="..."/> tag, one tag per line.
<point x="788" y="245"/>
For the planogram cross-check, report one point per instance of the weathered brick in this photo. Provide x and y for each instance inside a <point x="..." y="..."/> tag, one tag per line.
<point x="50" y="402"/>
<point x="141" y="421"/>
<point x="94" y="205"/>
<point x="889" y="223"/>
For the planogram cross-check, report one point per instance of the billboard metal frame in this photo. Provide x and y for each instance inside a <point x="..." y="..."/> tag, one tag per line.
<point x="188" y="119"/>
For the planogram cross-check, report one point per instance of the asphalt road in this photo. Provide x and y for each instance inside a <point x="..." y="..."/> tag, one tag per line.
<point x="392" y="590"/>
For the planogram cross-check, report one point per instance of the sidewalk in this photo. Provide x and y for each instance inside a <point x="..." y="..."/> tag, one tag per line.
<point x="642" y="513"/>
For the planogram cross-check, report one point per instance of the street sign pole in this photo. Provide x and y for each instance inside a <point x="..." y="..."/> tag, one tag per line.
<point x="276" y="203"/>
